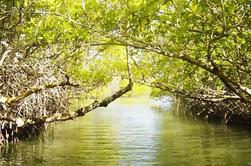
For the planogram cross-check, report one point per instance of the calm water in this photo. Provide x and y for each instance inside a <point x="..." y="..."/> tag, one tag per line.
<point x="133" y="134"/>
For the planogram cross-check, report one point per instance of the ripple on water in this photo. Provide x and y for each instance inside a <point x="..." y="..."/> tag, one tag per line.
<point x="133" y="134"/>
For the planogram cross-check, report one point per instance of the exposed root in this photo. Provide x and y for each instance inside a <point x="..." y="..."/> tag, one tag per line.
<point x="227" y="112"/>
<point x="11" y="133"/>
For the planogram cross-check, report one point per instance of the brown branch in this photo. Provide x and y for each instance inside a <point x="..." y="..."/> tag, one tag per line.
<point x="103" y="103"/>
<point x="82" y="111"/>
<point x="243" y="92"/>
<point x="34" y="90"/>
<point x="20" y="17"/>
<point x="196" y="96"/>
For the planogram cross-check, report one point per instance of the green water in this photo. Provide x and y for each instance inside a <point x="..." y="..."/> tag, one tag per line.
<point x="133" y="134"/>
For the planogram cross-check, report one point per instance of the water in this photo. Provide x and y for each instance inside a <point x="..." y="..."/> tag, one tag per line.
<point x="133" y="134"/>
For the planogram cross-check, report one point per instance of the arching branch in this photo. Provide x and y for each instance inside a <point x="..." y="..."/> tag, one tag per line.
<point x="102" y="103"/>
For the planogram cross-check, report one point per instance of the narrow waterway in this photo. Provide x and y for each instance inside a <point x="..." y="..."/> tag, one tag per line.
<point x="126" y="133"/>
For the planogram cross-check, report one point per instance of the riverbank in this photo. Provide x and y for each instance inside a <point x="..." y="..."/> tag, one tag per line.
<point x="231" y="113"/>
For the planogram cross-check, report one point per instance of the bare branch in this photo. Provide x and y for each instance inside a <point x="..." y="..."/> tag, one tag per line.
<point x="12" y="100"/>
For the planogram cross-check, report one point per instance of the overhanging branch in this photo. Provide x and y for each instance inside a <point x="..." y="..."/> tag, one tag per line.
<point x="102" y="103"/>
<point x="214" y="98"/>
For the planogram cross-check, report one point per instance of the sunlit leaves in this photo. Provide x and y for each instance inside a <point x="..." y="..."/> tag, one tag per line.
<point x="219" y="30"/>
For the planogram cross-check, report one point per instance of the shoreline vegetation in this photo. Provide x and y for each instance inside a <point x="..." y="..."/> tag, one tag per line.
<point x="226" y="113"/>
<point x="53" y="52"/>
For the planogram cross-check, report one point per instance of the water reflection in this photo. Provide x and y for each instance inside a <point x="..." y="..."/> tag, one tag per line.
<point x="133" y="134"/>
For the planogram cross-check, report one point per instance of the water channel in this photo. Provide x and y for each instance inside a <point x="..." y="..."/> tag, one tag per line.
<point x="133" y="133"/>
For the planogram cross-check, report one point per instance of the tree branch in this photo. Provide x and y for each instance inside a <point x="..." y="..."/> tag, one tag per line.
<point x="16" y="99"/>
<point x="103" y="103"/>
<point x="196" y="96"/>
